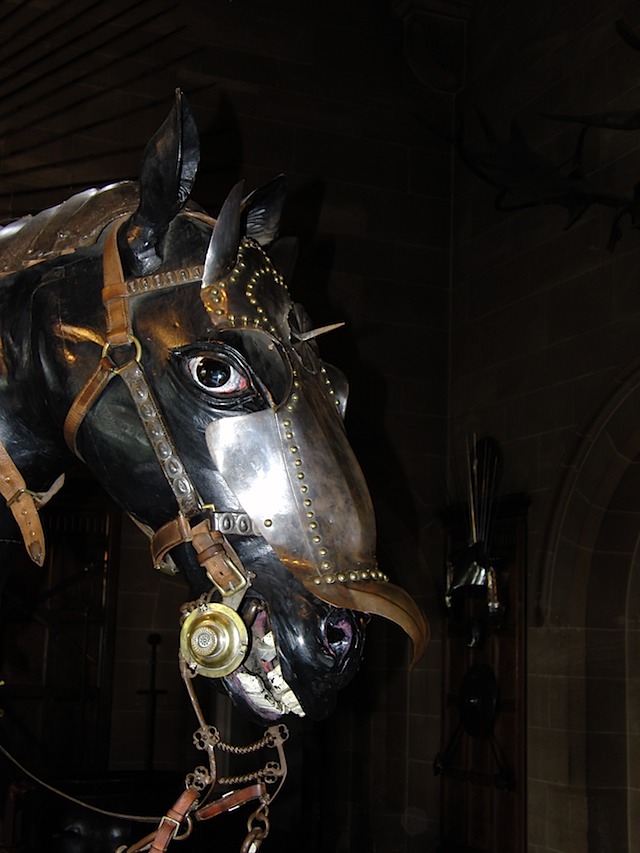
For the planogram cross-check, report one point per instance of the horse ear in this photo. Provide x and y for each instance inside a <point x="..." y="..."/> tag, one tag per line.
<point x="257" y="216"/>
<point x="262" y="210"/>
<point x="225" y="239"/>
<point x="167" y="174"/>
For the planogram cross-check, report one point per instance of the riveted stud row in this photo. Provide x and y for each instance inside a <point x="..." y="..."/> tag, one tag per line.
<point x="313" y="526"/>
<point x="158" y="436"/>
<point x="215" y="296"/>
<point x="294" y="399"/>
<point x="161" y="280"/>
<point x="354" y="576"/>
<point x="327" y="382"/>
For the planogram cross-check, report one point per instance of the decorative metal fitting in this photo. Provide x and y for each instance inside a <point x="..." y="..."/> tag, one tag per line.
<point x="199" y="779"/>
<point x="206" y="737"/>
<point x="276" y="735"/>
<point x="213" y="640"/>
<point x="271" y="772"/>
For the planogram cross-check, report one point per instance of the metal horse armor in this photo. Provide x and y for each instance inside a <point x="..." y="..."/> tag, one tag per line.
<point x="161" y="346"/>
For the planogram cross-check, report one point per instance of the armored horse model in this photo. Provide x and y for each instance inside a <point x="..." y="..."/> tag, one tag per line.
<point x="161" y="347"/>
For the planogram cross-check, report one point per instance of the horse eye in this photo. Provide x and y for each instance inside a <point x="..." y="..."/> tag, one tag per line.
<point x="216" y="376"/>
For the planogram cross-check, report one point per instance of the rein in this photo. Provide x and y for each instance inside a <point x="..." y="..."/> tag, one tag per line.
<point x="193" y="803"/>
<point x="196" y="803"/>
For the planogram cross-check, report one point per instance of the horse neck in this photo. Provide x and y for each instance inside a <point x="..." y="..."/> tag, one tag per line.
<point x="27" y="431"/>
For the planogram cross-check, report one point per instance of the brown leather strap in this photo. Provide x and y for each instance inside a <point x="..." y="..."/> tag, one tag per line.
<point x="173" y="533"/>
<point x="160" y="838"/>
<point x="215" y="556"/>
<point x="85" y="401"/>
<point x="118" y="332"/>
<point x="114" y="291"/>
<point x="214" y="553"/>
<point x="115" y="299"/>
<point x="24" y="505"/>
<point x="231" y="801"/>
<point x="171" y="822"/>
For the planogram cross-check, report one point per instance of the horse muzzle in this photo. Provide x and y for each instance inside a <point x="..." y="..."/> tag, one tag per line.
<point x="296" y="476"/>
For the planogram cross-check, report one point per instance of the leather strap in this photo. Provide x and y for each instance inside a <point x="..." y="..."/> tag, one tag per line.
<point x="170" y="823"/>
<point x="24" y="505"/>
<point x="115" y="299"/>
<point x="222" y="566"/>
<point x="231" y="801"/>
<point x="173" y="533"/>
<point x="85" y="401"/>
<point x="118" y="332"/>
<point x="214" y="554"/>
<point x="160" y="839"/>
<point x="114" y="290"/>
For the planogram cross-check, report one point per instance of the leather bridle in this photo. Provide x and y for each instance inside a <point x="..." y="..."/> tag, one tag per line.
<point x="197" y="523"/>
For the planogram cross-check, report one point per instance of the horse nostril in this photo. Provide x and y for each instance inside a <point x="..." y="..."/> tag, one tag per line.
<point x="338" y="632"/>
<point x="335" y="636"/>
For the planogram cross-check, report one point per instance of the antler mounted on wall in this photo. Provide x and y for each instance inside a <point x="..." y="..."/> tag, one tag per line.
<point x="525" y="178"/>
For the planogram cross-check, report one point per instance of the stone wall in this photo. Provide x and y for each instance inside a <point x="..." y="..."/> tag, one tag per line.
<point x="544" y="358"/>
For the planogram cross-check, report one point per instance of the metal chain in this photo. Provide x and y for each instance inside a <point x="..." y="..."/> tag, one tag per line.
<point x="270" y="773"/>
<point x="267" y="739"/>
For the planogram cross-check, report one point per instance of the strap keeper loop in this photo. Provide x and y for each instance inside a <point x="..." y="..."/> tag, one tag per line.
<point x="17" y="495"/>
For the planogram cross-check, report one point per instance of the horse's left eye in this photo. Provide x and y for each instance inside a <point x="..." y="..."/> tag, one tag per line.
<point x="216" y="376"/>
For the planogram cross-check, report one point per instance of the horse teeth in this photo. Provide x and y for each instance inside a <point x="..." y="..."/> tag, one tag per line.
<point x="277" y="679"/>
<point x="254" y="687"/>
<point x="266" y="647"/>
<point x="282" y="698"/>
<point x="283" y="692"/>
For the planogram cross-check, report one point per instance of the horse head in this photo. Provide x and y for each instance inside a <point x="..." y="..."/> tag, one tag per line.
<point x="174" y="361"/>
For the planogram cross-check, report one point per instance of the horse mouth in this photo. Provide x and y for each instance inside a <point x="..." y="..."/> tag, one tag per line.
<point x="259" y="680"/>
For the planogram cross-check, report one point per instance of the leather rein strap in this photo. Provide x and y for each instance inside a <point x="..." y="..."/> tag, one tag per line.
<point x="184" y="809"/>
